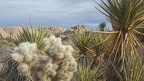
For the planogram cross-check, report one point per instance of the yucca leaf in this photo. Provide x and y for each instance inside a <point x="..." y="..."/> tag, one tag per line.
<point x="88" y="73"/>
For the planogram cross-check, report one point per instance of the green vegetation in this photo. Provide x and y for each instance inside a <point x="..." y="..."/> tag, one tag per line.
<point x="82" y="41"/>
<point x="119" y="46"/>
<point x="32" y="35"/>
<point x="133" y="71"/>
<point x="103" y="55"/>
<point x="88" y="73"/>
<point x="91" y="45"/>
<point x="126" y="17"/>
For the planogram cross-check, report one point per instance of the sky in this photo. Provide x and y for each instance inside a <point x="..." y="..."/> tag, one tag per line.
<point x="61" y="13"/>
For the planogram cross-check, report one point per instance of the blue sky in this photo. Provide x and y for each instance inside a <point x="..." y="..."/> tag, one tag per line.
<point x="61" y="13"/>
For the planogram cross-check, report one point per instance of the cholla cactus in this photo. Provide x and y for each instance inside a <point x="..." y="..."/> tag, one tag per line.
<point x="26" y="55"/>
<point x="62" y="57"/>
<point x="57" y="64"/>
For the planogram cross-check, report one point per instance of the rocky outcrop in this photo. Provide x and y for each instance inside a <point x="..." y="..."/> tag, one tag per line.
<point x="13" y="31"/>
<point x="56" y="30"/>
<point x="78" y="28"/>
<point x="3" y="34"/>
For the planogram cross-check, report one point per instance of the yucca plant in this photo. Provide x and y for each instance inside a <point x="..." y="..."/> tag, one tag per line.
<point x="126" y="17"/>
<point x="91" y="45"/>
<point x="82" y="41"/>
<point x="32" y="35"/>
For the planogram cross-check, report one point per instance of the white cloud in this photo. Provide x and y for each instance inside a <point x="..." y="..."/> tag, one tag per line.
<point x="63" y="13"/>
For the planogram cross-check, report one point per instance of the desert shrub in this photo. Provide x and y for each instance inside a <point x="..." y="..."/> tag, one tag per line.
<point x="28" y="64"/>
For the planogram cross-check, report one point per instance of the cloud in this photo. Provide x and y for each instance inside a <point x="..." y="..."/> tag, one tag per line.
<point x="63" y="13"/>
